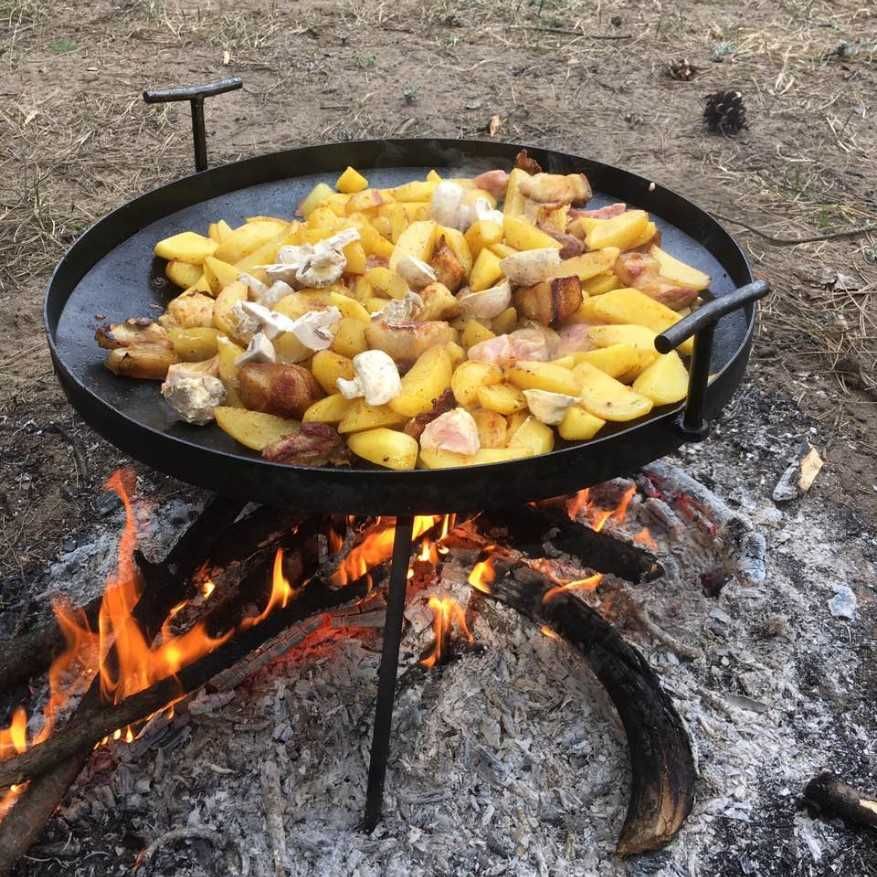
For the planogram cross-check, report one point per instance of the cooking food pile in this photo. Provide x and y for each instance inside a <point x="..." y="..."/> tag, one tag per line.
<point x="440" y="323"/>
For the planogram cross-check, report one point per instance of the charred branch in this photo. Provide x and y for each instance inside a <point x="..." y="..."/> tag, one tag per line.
<point x="830" y="797"/>
<point x="662" y="766"/>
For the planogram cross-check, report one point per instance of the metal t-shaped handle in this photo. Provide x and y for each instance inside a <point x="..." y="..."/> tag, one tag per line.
<point x="195" y="94"/>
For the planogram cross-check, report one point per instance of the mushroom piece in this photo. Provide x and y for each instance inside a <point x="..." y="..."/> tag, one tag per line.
<point x="316" y="329"/>
<point x="260" y="349"/>
<point x="313" y="265"/>
<point x="547" y="407"/>
<point x="377" y="378"/>
<point x="415" y="272"/>
<point x="488" y="303"/>
<point x="454" y="431"/>
<point x="245" y="325"/>
<point x="254" y="285"/>
<point x="530" y="266"/>
<point x="401" y="310"/>
<point x="271" y="322"/>
<point x="193" y="390"/>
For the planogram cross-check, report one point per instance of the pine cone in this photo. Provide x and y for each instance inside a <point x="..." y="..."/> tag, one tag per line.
<point x="725" y="113"/>
<point x="682" y="69"/>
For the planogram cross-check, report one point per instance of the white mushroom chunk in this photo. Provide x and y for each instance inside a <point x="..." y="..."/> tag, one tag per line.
<point x="447" y="206"/>
<point x="313" y="265"/>
<point x="193" y="392"/>
<point x="488" y="303"/>
<point x="245" y="324"/>
<point x="530" y="266"/>
<point x="415" y="272"/>
<point x="316" y="329"/>
<point x="546" y="407"/>
<point x="278" y="290"/>
<point x="260" y="349"/>
<point x="272" y="323"/>
<point x="324" y="268"/>
<point x="254" y="285"/>
<point x="400" y="310"/>
<point x="482" y="210"/>
<point x="377" y="378"/>
<point x="454" y="431"/>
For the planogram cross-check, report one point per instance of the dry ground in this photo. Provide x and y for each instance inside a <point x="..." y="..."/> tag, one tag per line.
<point x="586" y="77"/>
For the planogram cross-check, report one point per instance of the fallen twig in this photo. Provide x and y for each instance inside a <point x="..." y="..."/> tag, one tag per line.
<point x="808" y="239"/>
<point x="567" y="31"/>
<point x="173" y="836"/>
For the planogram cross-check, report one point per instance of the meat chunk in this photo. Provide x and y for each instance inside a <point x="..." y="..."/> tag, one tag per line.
<point x="406" y="341"/>
<point x="573" y="339"/>
<point x="193" y="390"/>
<point x="527" y="345"/>
<point x="134" y="332"/>
<point x="494" y="182"/>
<point x="556" y="188"/>
<point x="454" y="431"/>
<point x="440" y="406"/>
<point x="524" y="162"/>
<point x="530" y="266"/>
<point x="570" y="245"/>
<point x="278" y="388"/>
<point x="550" y="301"/>
<point x="642" y="271"/>
<point x="315" y="444"/>
<point x="607" y="212"/>
<point x="447" y="267"/>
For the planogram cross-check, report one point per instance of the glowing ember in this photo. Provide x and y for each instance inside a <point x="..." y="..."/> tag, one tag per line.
<point x="645" y="538"/>
<point x="14" y="738"/>
<point x="597" y="517"/>
<point x="207" y="588"/>
<point x="483" y="575"/>
<point x="447" y="613"/>
<point x="620" y="512"/>
<point x="589" y="584"/>
<point x="545" y="630"/>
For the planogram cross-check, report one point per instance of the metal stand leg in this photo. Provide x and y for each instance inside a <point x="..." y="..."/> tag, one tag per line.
<point x="377" y="769"/>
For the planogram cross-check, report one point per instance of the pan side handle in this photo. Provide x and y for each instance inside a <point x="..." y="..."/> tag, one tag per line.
<point x="702" y="324"/>
<point x="195" y="94"/>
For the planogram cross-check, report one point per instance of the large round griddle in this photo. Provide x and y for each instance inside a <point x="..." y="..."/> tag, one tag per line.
<point x="111" y="274"/>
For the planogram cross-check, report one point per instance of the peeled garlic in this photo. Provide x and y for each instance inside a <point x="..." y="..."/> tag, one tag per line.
<point x="547" y="407"/>
<point x="488" y="303"/>
<point x="415" y="272"/>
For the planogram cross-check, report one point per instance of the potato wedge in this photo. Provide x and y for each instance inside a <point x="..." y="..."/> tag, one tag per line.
<point x="542" y="376"/>
<point x="362" y="416"/>
<point x="350" y="337"/>
<point x="193" y="345"/>
<point x="424" y="382"/>
<point x="386" y="282"/>
<point x="607" y="398"/>
<point x="327" y="366"/>
<point x="485" y="272"/>
<point x="228" y="353"/>
<point x="601" y="283"/>
<point x="351" y="181"/>
<point x="503" y="398"/>
<point x="665" y="381"/>
<point x="148" y="362"/>
<point x="182" y="274"/>
<point x="534" y="435"/>
<point x="640" y="337"/>
<point x="492" y="428"/>
<point x="187" y="246"/>
<point x="679" y="272"/>
<point x="223" y="319"/>
<point x="317" y="196"/>
<point x="522" y="235"/>
<point x="482" y="234"/>
<point x="620" y="361"/>
<point x="473" y="332"/>
<point x="246" y="239"/>
<point x="219" y="274"/>
<point x="469" y="377"/>
<point x="579" y="424"/>
<point x="332" y="409"/>
<point x="514" y="201"/>
<point x="385" y="447"/>
<point x="450" y="460"/>
<point x="253" y="429"/>
<point x="417" y="240"/>
<point x="588" y="265"/>
<point x="621" y="231"/>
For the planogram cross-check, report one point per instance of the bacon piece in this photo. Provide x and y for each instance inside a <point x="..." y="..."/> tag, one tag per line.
<point x="494" y="182"/>
<point x="448" y="269"/>
<point x="524" y="162"/>
<point x="642" y="271"/>
<point x="573" y="339"/>
<point x="556" y="188"/>
<point x="570" y="245"/>
<point x="606" y="212"/>
<point x="529" y="345"/>
<point x="315" y="444"/>
<point x="442" y="405"/>
<point x="454" y="431"/>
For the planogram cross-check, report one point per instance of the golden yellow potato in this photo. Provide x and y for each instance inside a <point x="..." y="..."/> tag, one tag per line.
<point x="147" y="362"/>
<point x="350" y="337"/>
<point x="607" y="398"/>
<point x="386" y="282"/>
<point x="469" y="377"/>
<point x="351" y="181"/>
<point x="357" y="259"/>
<point x="679" y="272"/>
<point x="183" y="274"/>
<point x="228" y="353"/>
<point x="620" y="361"/>
<point x="534" y="435"/>
<point x="621" y="231"/>
<point x="195" y="344"/>
<point x="522" y="235"/>
<point x="458" y="244"/>
<point x="247" y="238"/>
<point x="505" y="322"/>
<point x="542" y="376"/>
<point x="450" y="460"/>
<point x="373" y="242"/>
<point x="503" y="398"/>
<point x="424" y="382"/>
<point x="348" y="306"/>
<point x="417" y="240"/>
<point x="253" y="428"/>
<point x="331" y="409"/>
<point x="223" y="318"/>
<point x="327" y="366"/>
<point x="317" y="196"/>
<point x="485" y="272"/>
<point x="187" y="246"/>
<point x="473" y="332"/>
<point x="492" y="428"/>
<point x="482" y="234"/>
<point x="514" y="201"/>
<point x="364" y="416"/>
<point x="385" y="447"/>
<point x="579" y="424"/>
<point x="665" y="381"/>
<point x="219" y="274"/>
<point x="640" y="337"/>
<point x="601" y="283"/>
<point x="588" y="265"/>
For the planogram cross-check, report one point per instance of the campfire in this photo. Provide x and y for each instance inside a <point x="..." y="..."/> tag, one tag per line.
<point x="239" y="590"/>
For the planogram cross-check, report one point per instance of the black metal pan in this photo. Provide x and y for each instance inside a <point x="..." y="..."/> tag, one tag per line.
<point x="110" y="274"/>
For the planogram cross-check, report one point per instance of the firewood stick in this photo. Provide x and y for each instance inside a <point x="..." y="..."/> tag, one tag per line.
<point x="24" y="823"/>
<point x="662" y="766"/>
<point x="98" y="720"/>
<point x="830" y="796"/>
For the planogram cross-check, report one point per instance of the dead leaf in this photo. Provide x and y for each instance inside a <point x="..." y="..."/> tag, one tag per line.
<point x="811" y="464"/>
<point x="494" y="125"/>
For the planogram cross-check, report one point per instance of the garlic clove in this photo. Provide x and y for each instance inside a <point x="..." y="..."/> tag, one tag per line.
<point x="488" y="303"/>
<point x="547" y="407"/>
<point x="415" y="272"/>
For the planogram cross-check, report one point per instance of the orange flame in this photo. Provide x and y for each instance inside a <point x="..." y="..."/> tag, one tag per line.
<point x="483" y="575"/>
<point x="281" y="592"/>
<point x="597" y="517"/>
<point x="207" y="588"/>
<point x="14" y="738"/>
<point x="447" y="612"/>
<point x="545" y="630"/>
<point x="644" y="537"/>
<point x="589" y="584"/>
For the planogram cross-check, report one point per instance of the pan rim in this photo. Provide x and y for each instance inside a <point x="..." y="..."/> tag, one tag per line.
<point x="351" y="473"/>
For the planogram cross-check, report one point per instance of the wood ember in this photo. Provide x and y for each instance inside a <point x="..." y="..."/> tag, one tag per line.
<point x="831" y="797"/>
<point x="799" y="475"/>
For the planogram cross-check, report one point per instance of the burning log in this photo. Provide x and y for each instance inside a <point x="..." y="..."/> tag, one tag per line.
<point x="528" y="527"/>
<point x="662" y="766"/>
<point x="829" y="796"/>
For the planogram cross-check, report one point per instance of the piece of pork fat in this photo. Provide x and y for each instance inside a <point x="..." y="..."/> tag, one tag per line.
<point x="315" y="444"/>
<point x="606" y="212"/>
<point x="454" y="431"/>
<point x="529" y="345"/>
<point x="572" y="339"/>
<point x="494" y="182"/>
<point x="442" y="405"/>
<point x="642" y="271"/>
<point x="524" y="162"/>
<point x="570" y="245"/>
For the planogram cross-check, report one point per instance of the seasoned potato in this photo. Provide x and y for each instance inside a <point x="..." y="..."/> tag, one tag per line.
<point x="482" y="234"/>
<point x="665" y="381"/>
<point x="187" y="246"/>
<point x="679" y="272"/>
<point x="183" y="274"/>
<point x="253" y="429"/>
<point x="449" y="271"/>
<point x="521" y="235"/>
<point x="387" y="282"/>
<point x="327" y="366"/>
<point x="247" y="238"/>
<point x="351" y="181"/>
<point x="219" y="274"/>
<point x="438" y="303"/>
<point x="317" y="196"/>
<point x="588" y="265"/>
<point x="456" y="240"/>
<point x="385" y="447"/>
<point x="362" y="416"/>
<point x="274" y="388"/>
<point x="350" y="337"/>
<point x="485" y="272"/>
<point x="228" y="353"/>
<point x="542" y="376"/>
<point x="190" y="309"/>
<point x="223" y="319"/>
<point x="469" y="377"/>
<point x="602" y="282"/>
<point x="503" y="398"/>
<point x="332" y="409"/>
<point x="194" y="345"/>
<point x="505" y="322"/>
<point x="424" y="382"/>
<point x="450" y="460"/>
<point x="148" y="362"/>
<point x="620" y="361"/>
<point x="607" y="398"/>
<point x="579" y="424"/>
<point x="492" y="428"/>
<point x="417" y="240"/>
<point x="621" y="231"/>
<point x="473" y="332"/>
<point x="639" y="337"/>
<point x="534" y="435"/>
